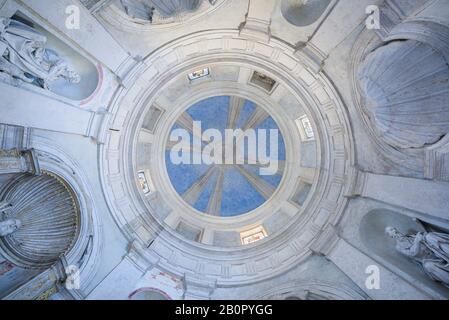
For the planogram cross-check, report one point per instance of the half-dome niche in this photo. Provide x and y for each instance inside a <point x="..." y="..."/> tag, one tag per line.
<point x="47" y="218"/>
<point x="373" y="236"/>
<point x="303" y="13"/>
<point x="405" y="92"/>
<point x="145" y="9"/>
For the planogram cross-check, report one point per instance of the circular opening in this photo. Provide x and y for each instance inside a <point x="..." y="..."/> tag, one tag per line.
<point x="225" y="156"/>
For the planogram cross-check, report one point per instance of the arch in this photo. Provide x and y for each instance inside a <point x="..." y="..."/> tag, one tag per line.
<point x="84" y="252"/>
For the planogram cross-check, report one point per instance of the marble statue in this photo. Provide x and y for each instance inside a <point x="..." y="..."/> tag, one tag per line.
<point x="170" y="8"/>
<point x="23" y="56"/>
<point x="9" y="226"/>
<point x="429" y="249"/>
<point x="138" y="9"/>
<point x="144" y="9"/>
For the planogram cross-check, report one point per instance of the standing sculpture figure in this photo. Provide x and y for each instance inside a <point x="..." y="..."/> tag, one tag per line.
<point x="145" y="9"/>
<point x="429" y="249"/>
<point x="23" y="56"/>
<point x="142" y="9"/>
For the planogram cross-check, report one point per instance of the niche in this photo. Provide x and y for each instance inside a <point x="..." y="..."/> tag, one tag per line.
<point x="373" y="237"/>
<point x="303" y="13"/>
<point x="87" y="71"/>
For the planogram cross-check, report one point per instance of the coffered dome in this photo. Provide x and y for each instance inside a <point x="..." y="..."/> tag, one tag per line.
<point x="235" y="185"/>
<point x="293" y="208"/>
<point x="224" y="149"/>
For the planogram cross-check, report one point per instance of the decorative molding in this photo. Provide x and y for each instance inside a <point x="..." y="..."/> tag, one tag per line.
<point x="41" y="286"/>
<point x="256" y="29"/>
<point x="312" y="56"/>
<point x="390" y="16"/>
<point x="19" y="161"/>
<point x="358" y="182"/>
<point x="326" y="241"/>
<point x="140" y="257"/>
<point x="95" y="5"/>
<point x="198" y="288"/>
<point x="432" y="33"/>
<point x="437" y="161"/>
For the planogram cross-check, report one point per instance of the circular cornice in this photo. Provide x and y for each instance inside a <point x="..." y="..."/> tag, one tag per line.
<point x="227" y="266"/>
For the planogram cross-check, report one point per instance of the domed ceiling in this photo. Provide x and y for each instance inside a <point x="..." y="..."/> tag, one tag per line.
<point x="228" y="188"/>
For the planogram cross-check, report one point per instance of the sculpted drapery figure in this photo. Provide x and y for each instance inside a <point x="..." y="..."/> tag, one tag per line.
<point x="23" y="56"/>
<point x="429" y="249"/>
<point x="138" y="9"/>
<point x="8" y="226"/>
<point x="144" y="9"/>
